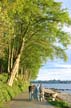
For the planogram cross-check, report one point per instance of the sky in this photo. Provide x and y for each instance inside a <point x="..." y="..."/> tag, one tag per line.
<point x="58" y="69"/>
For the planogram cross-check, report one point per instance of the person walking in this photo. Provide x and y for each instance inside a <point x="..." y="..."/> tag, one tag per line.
<point x="30" y="88"/>
<point x="41" y="93"/>
<point x="37" y="93"/>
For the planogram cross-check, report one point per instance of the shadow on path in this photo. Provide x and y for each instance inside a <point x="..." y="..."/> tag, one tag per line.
<point x="27" y="100"/>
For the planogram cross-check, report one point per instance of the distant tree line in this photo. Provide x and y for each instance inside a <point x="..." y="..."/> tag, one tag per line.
<point x="51" y="81"/>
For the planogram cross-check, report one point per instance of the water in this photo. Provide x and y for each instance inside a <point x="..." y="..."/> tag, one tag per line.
<point x="66" y="87"/>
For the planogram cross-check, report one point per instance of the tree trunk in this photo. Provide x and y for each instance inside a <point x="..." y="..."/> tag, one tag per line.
<point x="16" y="65"/>
<point x="12" y="57"/>
<point x="14" y="71"/>
<point x="27" y="75"/>
<point x="9" y="59"/>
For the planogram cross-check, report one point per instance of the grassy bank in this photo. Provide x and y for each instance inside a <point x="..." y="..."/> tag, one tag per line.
<point x="6" y="92"/>
<point x="59" y="103"/>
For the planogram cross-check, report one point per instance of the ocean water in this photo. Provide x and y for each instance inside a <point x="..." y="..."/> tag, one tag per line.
<point x="62" y="87"/>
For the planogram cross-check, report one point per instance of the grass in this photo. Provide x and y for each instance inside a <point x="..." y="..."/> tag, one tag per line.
<point x="59" y="103"/>
<point x="7" y="92"/>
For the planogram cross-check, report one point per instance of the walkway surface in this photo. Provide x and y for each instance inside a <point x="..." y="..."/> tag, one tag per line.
<point x="22" y="101"/>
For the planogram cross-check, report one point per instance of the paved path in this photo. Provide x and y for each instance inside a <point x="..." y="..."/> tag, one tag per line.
<point x="22" y="101"/>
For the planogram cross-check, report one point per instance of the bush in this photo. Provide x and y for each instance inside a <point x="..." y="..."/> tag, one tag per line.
<point x="7" y="92"/>
<point x="59" y="103"/>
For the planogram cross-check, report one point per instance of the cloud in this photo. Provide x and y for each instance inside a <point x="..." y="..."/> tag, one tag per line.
<point x="54" y="65"/>
<point x="66" y="66"/>
<point x="58" y="74"/>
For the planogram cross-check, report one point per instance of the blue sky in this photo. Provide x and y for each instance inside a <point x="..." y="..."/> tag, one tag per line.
<point x="58" y="69"/>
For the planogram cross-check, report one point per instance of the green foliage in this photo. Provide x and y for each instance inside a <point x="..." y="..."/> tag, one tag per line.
<point x="59" y="103"/>
<point x="40" y="24"/>
<point x="3" y="78"/>
<point x="6" y="92"/>
<point x="6" y="30"/>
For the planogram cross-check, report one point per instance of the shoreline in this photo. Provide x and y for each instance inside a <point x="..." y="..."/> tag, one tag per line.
<point x="65" y="96"/>
<point x="62" y="95"/>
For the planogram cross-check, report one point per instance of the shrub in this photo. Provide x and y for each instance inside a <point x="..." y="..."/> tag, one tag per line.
<point x="7" y="92"/>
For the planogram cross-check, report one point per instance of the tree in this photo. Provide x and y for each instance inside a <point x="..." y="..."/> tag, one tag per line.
<point x="6" y="31"/>
<point x="38" y="25"/>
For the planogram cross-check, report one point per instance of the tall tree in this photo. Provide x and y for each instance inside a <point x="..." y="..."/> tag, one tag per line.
<point x="38" y="26"/>
<point x="6" y="31"/>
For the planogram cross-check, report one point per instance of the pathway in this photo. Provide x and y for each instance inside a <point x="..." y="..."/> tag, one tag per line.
<point x="22" y="101"/>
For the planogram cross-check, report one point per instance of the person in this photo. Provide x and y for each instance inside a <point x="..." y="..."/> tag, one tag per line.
<point x="30" y="88"/>
<point x="37" y="92"/>
<point x="41" y="93"/>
